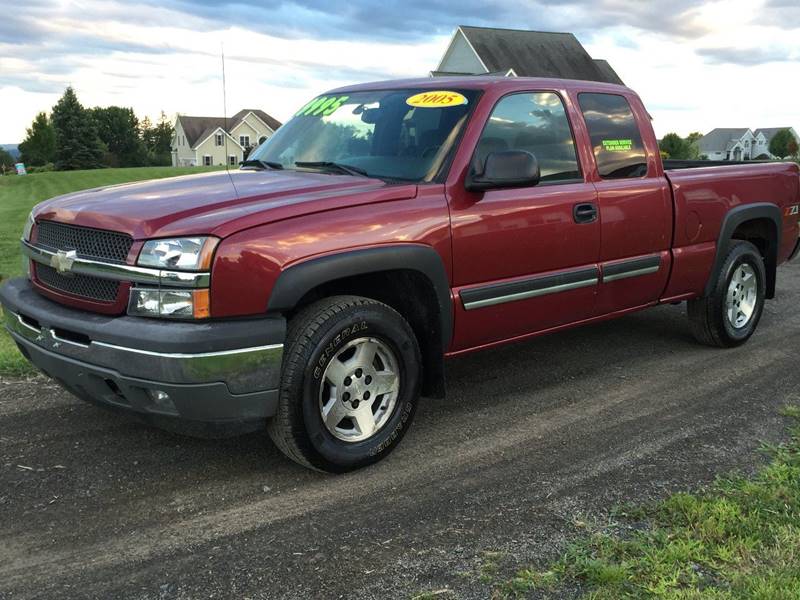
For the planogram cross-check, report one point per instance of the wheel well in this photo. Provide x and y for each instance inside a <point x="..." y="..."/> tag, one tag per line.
<point x="764" y="236"/>
<point x="411" y="294"/>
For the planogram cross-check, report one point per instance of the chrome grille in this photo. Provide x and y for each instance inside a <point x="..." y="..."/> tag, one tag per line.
<point x="91" y="288"/>
<point x="87" y="242"/>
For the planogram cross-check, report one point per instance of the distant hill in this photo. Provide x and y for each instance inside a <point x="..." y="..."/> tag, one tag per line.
<point x="12" y="149"/>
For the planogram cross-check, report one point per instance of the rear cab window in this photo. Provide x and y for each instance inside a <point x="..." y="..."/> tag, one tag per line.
<point x="615" y="136"/>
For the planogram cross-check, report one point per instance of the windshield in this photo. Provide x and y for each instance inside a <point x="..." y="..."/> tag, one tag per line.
<point x="403" y="135"/>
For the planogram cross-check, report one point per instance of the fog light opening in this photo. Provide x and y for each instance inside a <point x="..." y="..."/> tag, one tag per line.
<point x="161" y="401"/>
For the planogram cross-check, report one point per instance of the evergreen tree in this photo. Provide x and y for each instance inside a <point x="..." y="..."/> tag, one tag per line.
<point x="6" y="161"/>
<point x="158" y="140"/>
<point x="77" y="143"/>
<point x="39" y="146"/>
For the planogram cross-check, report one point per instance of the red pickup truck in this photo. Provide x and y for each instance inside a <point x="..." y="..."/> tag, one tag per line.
<point x="317" y="289"/>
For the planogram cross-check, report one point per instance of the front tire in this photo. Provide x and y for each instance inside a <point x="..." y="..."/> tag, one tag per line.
<point x="349" y="386"/>
<point x="730" y="315"/>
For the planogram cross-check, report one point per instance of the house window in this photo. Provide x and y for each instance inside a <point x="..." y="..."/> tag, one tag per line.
<point x="218" y="139"/>
<point x="232" y="160"/>
<point x="206" y="160"/>
<point x="262" y="139"/>
<point x="244" y="141"/>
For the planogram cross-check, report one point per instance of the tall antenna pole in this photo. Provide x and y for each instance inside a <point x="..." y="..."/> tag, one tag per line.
<point x="224" y="106"/>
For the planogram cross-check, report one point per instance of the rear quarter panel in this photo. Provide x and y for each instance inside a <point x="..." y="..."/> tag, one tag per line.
<point x="703" y="196"/>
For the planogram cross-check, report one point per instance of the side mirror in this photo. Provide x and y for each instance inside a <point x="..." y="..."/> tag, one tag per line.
<point x="506" y="169"/>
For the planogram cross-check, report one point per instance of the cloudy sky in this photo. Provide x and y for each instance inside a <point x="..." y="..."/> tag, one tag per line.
<point x="697" y="64"/>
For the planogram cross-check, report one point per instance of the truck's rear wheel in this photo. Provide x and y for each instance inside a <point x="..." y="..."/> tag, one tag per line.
<point x="730" y="315"/>
<point x="349" y="386"/>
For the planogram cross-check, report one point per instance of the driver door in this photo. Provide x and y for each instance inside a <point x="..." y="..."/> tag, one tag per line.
<point x="525" y="259"/>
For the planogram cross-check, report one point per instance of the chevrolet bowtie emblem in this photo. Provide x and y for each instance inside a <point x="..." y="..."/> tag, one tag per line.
<point x="62" y="261"/>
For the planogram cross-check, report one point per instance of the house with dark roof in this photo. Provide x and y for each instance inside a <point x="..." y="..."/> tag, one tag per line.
<point x="521" y="53"/>
<point x="219" y="141"/>
<point x="739" y="143"/>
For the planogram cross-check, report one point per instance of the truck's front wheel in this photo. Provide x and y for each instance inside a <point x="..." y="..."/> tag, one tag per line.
<point x="730" y="315"/>
<point x="349" y="385"/>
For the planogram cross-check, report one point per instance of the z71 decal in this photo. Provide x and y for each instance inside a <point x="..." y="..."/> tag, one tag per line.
<point x="793" y="210"/>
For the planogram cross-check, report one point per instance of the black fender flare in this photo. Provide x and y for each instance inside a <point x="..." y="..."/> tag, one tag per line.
<point x="299" y="279"/>
<point x="735" y="217"/>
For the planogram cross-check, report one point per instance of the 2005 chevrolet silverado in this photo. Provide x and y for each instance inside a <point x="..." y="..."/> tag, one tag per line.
<point x="387" y="226"/>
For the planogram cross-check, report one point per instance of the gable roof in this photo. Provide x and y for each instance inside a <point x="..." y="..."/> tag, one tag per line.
<point x="719" y="139"/>
<point x="211" y="131"/>
<point x="769" y="132"/>
<point x="197" y="129"/>
<point x="536" y="54"/>
<point x="269" y="121"/>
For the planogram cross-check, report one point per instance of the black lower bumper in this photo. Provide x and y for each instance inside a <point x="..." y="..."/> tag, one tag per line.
<point x="214" y="372"/>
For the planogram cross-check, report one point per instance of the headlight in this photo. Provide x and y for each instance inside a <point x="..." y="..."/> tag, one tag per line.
<point x="181" y="254"/>
<point x="169" y="304"/>
<point x="26" y="233"/>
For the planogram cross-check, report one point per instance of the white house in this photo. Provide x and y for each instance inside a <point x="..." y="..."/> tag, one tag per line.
<point x="739" y="143"/>
<point x="219" y="141"/>
<point x="521" y="53"/>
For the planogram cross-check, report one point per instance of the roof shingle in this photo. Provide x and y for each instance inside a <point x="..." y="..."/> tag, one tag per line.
<point x="537" y="54"/>
<point x="199" y="128"/>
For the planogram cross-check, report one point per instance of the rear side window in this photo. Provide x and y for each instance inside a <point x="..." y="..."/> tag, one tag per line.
<point x="534" y="122"/>
<point x="616" y="140"/>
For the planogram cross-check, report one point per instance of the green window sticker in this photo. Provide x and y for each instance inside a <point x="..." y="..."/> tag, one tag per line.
<point x="617" y="145"/>
<point x="322" y="106"/>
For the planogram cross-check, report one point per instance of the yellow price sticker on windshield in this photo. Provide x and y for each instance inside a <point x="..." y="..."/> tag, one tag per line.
<point x="436" y="99"/>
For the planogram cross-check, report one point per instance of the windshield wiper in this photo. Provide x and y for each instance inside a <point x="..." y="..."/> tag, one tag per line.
<point x="262" y="164"/>
<point x="325" y="164"/>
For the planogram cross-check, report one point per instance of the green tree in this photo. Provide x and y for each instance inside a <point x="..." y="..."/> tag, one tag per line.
<point x="77" y="143"/>
<point x="39" y="146"/>
<point x="694" y="137"/>
<point x="781" y="144"/>
<point x="674" y="145"/>
<point x="6" y="161"/>
<point x="118" y="129"/>
<point x="157" y="140"/>
<point x="680" y="149"/>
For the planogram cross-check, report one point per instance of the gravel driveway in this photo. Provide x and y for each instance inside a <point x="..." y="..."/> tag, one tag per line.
<point x="531" y="438"/>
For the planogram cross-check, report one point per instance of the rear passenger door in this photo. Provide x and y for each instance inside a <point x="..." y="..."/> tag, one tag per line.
<point x="635" y="204"/>
<point x="522" y="260"/>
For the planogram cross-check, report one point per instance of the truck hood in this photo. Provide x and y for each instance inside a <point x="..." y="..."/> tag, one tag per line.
<point x="219" y="203"/>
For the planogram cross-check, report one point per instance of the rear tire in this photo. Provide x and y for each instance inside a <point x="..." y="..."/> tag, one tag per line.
<point x="349" y="386"/>
<point x="730" y="314"/>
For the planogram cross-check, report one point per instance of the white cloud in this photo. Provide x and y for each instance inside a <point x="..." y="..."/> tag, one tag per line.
<point x="690" y="76"/>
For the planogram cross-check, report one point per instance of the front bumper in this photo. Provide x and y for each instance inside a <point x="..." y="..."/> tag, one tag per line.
<point x="211" y="372"/>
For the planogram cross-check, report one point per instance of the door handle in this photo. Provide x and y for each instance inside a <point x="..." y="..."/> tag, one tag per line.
<point x="585" y="213"/>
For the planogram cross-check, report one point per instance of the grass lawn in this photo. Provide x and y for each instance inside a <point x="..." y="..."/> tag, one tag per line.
<point x="738" y="539"/>
<point x="19" y="194"/>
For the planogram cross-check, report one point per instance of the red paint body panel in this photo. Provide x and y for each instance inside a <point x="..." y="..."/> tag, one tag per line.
<point x="248" y="263"/>
<point x="269" y="221"/>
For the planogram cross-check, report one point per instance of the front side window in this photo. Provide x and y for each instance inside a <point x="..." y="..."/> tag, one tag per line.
<point x="536" y="123"/>
<point x="395" y="135"/>
<point x="616" y="139"/>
